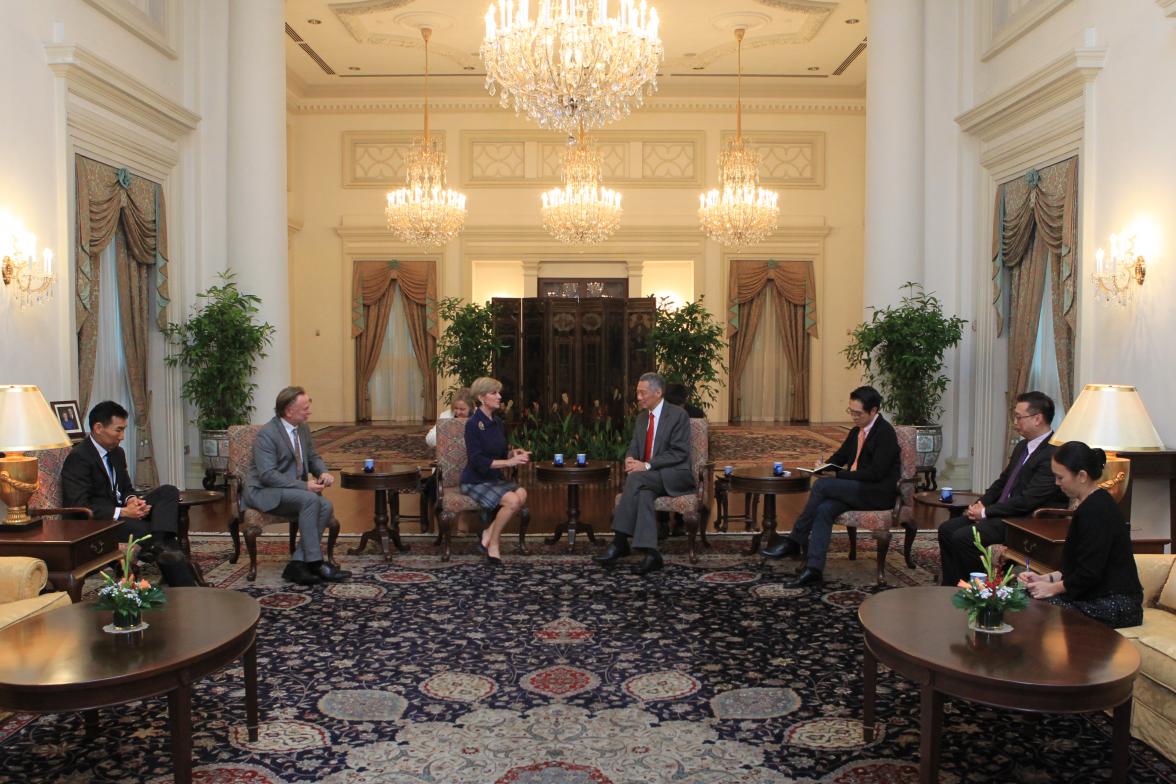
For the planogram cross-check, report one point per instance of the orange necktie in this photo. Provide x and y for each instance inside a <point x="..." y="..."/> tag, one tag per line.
<point x="861" y="440"/>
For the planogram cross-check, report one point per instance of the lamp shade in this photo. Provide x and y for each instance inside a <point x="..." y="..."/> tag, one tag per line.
<point x="26" y="421"/>
<point x="1111" y="417"/>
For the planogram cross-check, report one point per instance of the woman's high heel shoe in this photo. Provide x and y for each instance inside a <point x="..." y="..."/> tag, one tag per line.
<point x="492" y="560"/>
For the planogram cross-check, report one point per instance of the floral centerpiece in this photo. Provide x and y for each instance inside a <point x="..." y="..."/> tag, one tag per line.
<point x="126" y="596"/>
<point x="987" y="597"/>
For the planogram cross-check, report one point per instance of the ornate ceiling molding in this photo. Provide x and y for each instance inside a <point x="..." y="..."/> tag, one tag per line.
<point x="849" y="106"/>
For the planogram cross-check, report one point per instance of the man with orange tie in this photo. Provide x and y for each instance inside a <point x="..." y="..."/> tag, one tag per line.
<point x="870" y="482"/>
<point x="657" y="463"/>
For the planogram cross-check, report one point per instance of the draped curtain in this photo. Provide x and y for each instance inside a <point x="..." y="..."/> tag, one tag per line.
<point x="766" y="387"/>
<point x="1034" y="234"/>
<point x="794" y="291"/>
<point x="112" y="201"/>
<point x="372" y="286"/>
<point x="397" y="386"/>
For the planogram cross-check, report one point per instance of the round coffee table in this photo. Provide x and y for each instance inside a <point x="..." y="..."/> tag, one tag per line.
<point x="387" y="480"/>
<point x="572" y="475"/>
<point x="928" y="506"/>
<point x="762" y="481"/>
<point x="61" y="661"/>
<point x="189" y="499"/>
<point x="1053" y="661"/>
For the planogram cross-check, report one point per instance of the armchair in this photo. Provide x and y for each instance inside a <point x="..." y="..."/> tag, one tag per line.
<point x="21" y="582"/>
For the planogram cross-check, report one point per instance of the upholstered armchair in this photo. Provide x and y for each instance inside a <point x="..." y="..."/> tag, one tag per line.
<point x="46" y="501"/>
<point x="694" y="507"/>
<point x="451" y="461"/>
<point x="21" y="582"/>
<point x="882" y="520"/>
<point x="241" y="438"/>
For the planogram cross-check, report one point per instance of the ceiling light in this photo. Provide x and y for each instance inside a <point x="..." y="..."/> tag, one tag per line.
<point x="582" y="212"/>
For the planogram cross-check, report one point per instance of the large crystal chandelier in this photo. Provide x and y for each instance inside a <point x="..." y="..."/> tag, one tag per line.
<point x="739" y="212"/>
<point x="573" y="65"/>
<point x="425" y="212"/>
<point x="582" y="212"/>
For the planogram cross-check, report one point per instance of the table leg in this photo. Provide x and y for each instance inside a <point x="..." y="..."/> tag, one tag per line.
<point x="394" y="504"/>
<point x="251" y="716"/>
<point x="179" y="708"/>
<point x="869" y="693"/>
<point x="378" y="535"/>
<point x="90" y="720"/>
<point x="768" y="532"/>
<point x="186" y="544"/>
<point x="573" y="513"/>
<point x="1120" y="742"/>
<point x="930" y="724"/>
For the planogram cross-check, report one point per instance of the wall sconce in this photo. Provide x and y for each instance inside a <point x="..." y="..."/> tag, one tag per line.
<point x="19" y="265"/>
<point x="1113" y="278"/>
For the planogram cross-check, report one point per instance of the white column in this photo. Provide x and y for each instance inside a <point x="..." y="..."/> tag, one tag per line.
<point x="894" y="150"/>
<point x="530" y="277"/>
<point x="256" y="180"/>
<point x="636" y="270"/>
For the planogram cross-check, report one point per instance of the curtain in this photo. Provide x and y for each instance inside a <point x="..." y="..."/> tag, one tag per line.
<point x="1043" y="370"/>
<point x="766" y="385"/>
<point x="110" y="381"/>
<point x="112" y="201"/>
<point x="794" y="294"/>
<point x="1034" y="234"/>
<point x="397" y="386"/>
<point x="372" y="292"/>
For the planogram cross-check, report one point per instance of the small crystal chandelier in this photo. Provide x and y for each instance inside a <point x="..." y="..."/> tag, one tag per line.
<point x="19" y="266"/>
<point x="582" y="212"/>
<point x="1112" y="282"/>
<point x="573" y="65"/>
<point x="739" y="212"/>
<point x="425" y="212"/>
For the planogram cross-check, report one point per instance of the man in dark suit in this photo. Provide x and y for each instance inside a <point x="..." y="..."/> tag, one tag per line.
<point x="657" y="463"/>
<point x="1026" y="484"/>
<point x="95" y="476"/>
<point x="869" y="480"/>
<point x="287" y="479"/>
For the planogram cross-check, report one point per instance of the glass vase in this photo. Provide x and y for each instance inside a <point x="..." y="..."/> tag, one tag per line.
<point x="990" y="618"/>
<point x="128" y="618"/>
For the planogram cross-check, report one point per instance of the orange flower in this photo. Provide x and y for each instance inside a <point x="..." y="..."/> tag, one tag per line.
<point x="144" y="585"/>
<point x="963" y="584"/>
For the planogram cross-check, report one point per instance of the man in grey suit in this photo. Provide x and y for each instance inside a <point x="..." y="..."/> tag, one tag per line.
<point x="288" y="478"/>
<point x="657" y="463"/>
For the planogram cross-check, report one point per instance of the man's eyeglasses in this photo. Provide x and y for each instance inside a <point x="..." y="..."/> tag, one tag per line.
<point x="1018" y="417"/>
<point x="855" y="414"/>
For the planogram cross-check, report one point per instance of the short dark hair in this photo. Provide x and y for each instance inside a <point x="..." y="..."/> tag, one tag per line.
<point x="869" y="397"/>
<point x="104" y="412"/>
<point x="655" y="381"/>
<point x="677" y="394"/>
<point x="285" y="398"/>
<point x="1076" y="456"/>
<point x="1039" y="403"/>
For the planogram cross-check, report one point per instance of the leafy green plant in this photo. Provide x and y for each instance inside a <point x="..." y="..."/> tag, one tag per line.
<point x="467" y="348"/>
<point x="565" y="429"/>
<point x="218" y="347"/>
<point x="901" y="349"/>
<point x="688" y="347"/>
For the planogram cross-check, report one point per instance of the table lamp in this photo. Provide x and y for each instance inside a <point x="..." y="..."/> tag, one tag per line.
<point x="1113" y="418"/>
<point x="26" y="423"/>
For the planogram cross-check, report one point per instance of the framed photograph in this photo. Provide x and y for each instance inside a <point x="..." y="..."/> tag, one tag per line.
<point x="68" y="416"/>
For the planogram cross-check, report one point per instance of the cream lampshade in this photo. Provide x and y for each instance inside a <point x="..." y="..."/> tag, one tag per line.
<point x="26" y="423"/>
<point x="1113" y="418"/>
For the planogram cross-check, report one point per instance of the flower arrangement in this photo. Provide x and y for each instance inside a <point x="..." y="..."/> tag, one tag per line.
<point x="987" y="599"/>
<point x="126" y="596"/>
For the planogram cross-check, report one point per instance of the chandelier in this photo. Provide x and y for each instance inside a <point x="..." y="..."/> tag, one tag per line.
<point x="582" y="212"/>
<point x="573" y="65"/>
<point x="33" y="279"/>
<point x="739" y="212"/>
<point x="1112" y="282"/>
<point x="425" y="212"/>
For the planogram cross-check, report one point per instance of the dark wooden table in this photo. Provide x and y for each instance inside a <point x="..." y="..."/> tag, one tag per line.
<point x="1038" y="542"/>
<point x="71" y="549"/>
<point x="1053" y="661"/>
<point x="387" y="480"/>
<point x="62" y="661"/>
<point x="189" y="499"/>
<point x="572" y="475"/>
<point x="929" y="507"/>
<point x="762" y="481"/>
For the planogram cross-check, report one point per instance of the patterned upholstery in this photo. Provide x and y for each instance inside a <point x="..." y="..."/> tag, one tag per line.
<point x="241" y="438"/>
<point x="694" y="507"/>
<point x="49" y="463"/>
<point x="882" y="520"/>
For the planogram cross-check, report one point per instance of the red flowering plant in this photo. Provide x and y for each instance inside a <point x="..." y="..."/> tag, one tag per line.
<point x="987" y="598"/>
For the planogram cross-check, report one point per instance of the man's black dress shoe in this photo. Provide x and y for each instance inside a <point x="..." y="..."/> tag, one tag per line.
<point x="807" y="577"/>
<point x="611" y="555"/>
<point x="299" y="572"/>
<point x="782" y="548"/>
<point x="331" y="574"/>
<point x="650" y="563"/>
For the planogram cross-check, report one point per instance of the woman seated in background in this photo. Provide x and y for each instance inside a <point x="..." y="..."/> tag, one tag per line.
<point x="461" y="405"/>
<point x="1098" y="576"/>
<point x="486" y="454"/>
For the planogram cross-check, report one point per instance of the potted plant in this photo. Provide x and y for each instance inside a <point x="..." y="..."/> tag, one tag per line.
<point x="901" y="349"/>
<point x="218" y="347"/>
<point x="467" y="348"/>
<point x="688" y="347"/>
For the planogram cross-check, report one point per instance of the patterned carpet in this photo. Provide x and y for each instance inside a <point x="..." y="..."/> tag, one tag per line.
<point x="554" y="671"/>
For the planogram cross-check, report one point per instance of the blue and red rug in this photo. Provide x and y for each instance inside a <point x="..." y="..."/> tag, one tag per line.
<point x="554" y="671"/>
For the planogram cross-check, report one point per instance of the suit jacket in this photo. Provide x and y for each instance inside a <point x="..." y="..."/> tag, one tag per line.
<point x="275" y="466"/>
<point x="85" y="482"/>
<point x="671" y="448"/>
<point x="1034" y="488"/>
<point x="485" y="442"/>
<point x="879" y="465"/>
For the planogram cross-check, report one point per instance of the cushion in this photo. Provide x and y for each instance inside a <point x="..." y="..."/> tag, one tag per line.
<point x="1158" y="654"/>
<point x="682" y="504"/>
<point x="456" y="502"/>
<point x="12" y="612"/>
<point x="1167" y="598"/>
<point x="1155" y="622"/>
<point x="21" y="577"/>
<point x="868" y="521"/>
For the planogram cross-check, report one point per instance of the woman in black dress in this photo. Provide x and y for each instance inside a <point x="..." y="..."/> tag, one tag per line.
<point x="1098" y="576"/>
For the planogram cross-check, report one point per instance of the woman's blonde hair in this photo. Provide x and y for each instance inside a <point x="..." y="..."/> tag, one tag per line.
<point x="484" y="386"/>
<point x="465" y="396"/>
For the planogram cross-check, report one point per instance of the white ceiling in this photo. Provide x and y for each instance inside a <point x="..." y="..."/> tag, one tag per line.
<point x="374" y="47"/>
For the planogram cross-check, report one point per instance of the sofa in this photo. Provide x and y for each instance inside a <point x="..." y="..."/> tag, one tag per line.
<point x="1153" y="712"/>
<point x="21" y="582"/>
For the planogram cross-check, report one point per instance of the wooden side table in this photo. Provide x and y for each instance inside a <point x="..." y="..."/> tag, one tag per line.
<point x="929" y="507"/>
<point x="189" y="499"/>
<point x="1038" y="541"/>
<point x="572" y="475"/>
<point x="387" y="480"/>
<point x="763" y="482"/>
<point x="71" y="549"/>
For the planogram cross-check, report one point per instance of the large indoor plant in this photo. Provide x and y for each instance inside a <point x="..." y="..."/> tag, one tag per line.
<point x="901" y="350"/>
<point x="688" y="346"/>
<point x="467" y="347"/>
<point x="218" y="347"/>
